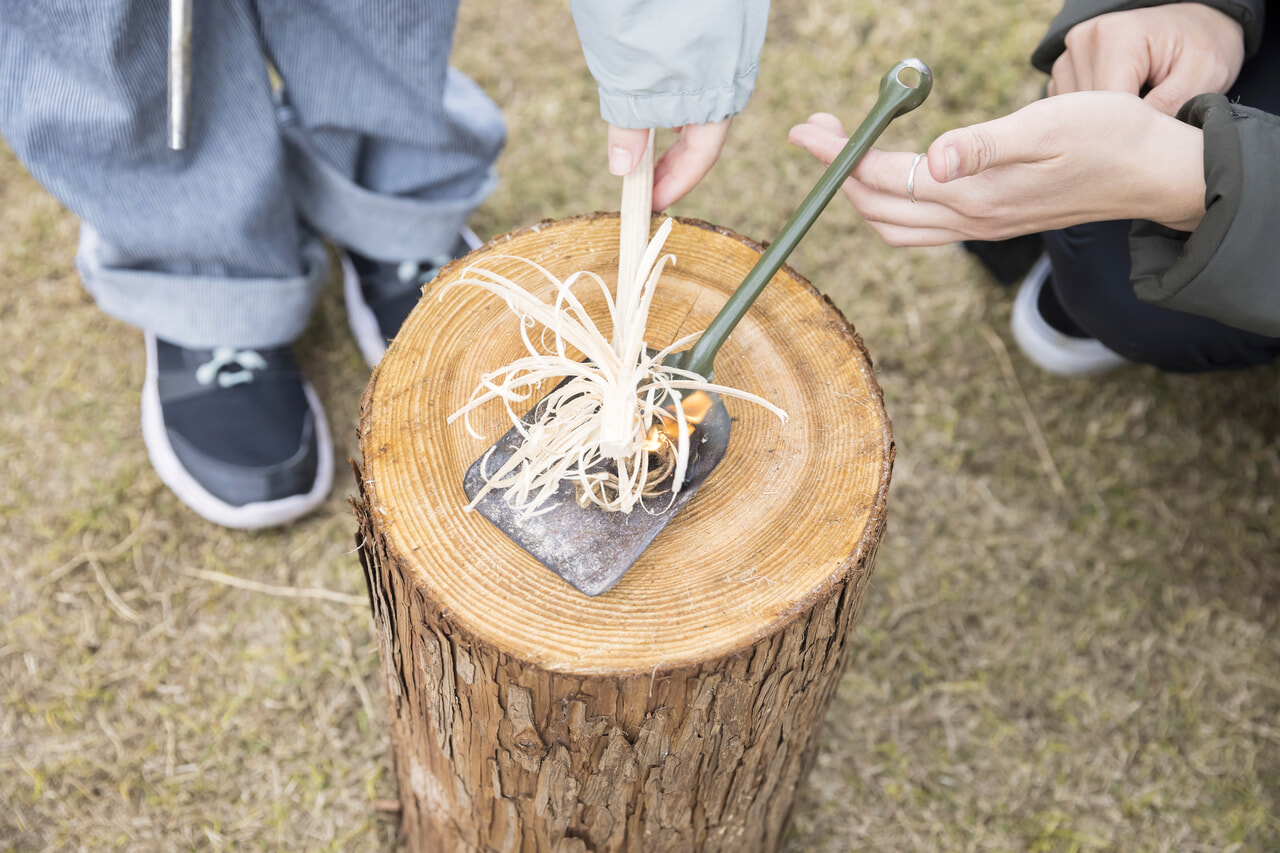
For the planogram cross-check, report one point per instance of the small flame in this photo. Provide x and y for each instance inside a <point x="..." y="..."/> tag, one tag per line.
<point x="696" y="406"/>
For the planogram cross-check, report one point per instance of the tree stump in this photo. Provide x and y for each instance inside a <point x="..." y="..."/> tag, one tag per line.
<point x="680" y="710"/>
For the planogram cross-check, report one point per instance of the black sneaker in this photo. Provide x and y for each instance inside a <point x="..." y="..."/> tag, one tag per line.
<point x="380" y="294"/>
<point x="237" y="434"/>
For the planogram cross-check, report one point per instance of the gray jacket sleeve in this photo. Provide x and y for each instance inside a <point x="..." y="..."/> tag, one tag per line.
<point x="1250" y="13"/>
<point x="1229" y="267"/>
<point x="665" y="63"/>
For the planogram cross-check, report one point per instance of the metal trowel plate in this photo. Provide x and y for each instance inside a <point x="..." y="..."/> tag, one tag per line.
<point x="588" y="547"/>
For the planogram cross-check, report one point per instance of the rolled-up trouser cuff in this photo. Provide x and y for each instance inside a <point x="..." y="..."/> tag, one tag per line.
<point x="382" y="227"/>
<point x="202" y="311"/>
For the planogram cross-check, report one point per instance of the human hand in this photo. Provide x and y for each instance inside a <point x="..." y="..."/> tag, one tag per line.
<point x="1043" y="167"/>
<point x="680" y="167"/>
<point x="1180" y="50"/>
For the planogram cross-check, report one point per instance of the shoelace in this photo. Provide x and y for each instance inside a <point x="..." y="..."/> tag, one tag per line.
<point x="421" y="271"/>
<point x="245" y="360"/>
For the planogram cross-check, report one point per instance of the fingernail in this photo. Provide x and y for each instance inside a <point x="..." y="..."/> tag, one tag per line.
<point x="620" y="160"/>
<point x="951" y="157"/>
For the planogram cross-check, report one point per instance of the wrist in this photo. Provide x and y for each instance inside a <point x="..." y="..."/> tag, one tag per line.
<point x="1178" y="200"/>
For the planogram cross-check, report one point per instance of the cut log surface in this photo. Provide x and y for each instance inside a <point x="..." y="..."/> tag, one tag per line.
<point x="681" y="709"/>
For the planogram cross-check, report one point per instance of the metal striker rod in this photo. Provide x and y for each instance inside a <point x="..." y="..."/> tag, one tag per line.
<point x="179" y="72"/>
<point x="896" y="97"/>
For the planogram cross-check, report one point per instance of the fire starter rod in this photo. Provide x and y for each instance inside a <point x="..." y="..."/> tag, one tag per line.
<point x="898" y="95"/>
<point x="179" y="72"/>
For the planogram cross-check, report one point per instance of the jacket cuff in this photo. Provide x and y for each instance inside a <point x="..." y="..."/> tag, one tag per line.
<point x="667" y="63"/>
<point x="674" y="109"/>
<point x="1251" y="14"/>
<point x="1225" y="269"/>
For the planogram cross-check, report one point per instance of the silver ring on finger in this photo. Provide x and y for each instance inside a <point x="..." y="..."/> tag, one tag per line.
<point x="911" y="178"/>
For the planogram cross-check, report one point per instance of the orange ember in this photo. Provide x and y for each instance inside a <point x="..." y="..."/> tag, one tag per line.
<point x="696" y="407"/>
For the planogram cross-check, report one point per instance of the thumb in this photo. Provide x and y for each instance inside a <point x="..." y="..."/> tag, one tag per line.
<point x="1170" y="94"/>
<point x="626" y="147"/>
<point x="1016" y="138"/>
<point x="961" y="153"/>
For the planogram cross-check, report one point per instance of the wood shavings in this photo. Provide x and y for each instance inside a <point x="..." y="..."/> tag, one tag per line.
<point x="592" y="429"/>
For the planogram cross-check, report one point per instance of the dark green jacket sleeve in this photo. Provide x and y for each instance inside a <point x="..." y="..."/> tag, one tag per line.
<point x="1250" y="13"/>
<point x="1229" y="267"/>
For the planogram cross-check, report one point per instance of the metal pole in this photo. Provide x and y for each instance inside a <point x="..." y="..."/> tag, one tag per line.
<point x="179" y="72"/>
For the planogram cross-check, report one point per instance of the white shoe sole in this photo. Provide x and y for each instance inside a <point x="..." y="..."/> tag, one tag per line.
<point x="360" y="317"/>
<point x="1044" y="345"/>
<point x="175" y="475"/>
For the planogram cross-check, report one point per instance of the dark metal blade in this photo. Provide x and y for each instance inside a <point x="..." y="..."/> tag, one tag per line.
<point x="588" y="547"/>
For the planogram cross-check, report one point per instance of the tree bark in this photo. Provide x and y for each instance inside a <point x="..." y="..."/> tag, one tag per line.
<point x="680" y="710"/>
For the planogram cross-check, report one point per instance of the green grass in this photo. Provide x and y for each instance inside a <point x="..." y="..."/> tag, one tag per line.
<point x="1094" y="668"/>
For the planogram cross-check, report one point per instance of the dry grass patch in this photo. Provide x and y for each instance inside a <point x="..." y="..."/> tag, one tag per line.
<point x="1071" y="642"/>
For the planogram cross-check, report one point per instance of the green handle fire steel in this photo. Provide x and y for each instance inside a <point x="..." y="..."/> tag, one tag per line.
<point x="896" y="97"/>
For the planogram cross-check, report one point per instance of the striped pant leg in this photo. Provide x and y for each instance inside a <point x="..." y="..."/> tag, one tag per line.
<point x="390" y="148"/>
<point x="203" y="246"/>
